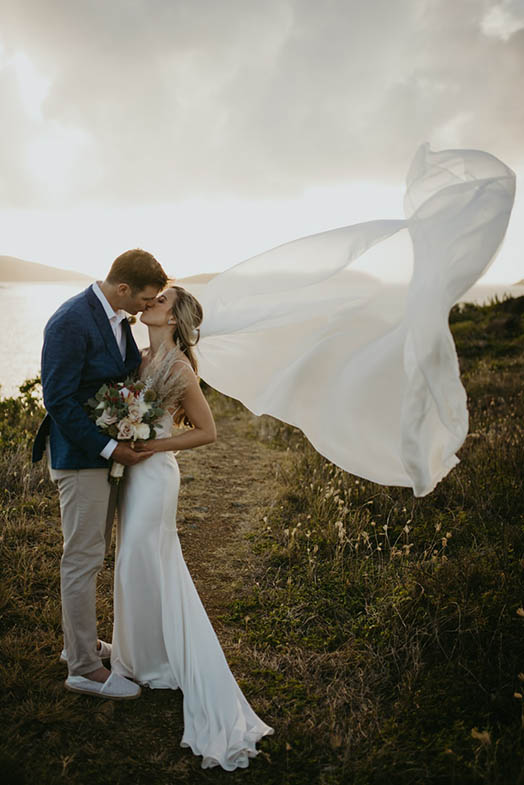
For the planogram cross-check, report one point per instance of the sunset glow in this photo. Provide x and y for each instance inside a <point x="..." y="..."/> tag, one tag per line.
<point x="207" y="142"/>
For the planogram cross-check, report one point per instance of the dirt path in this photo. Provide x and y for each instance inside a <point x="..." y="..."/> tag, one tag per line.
<point x="226" y="489"/>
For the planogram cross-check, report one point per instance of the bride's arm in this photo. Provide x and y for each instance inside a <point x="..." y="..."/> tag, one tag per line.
<point x="197" y="410"/>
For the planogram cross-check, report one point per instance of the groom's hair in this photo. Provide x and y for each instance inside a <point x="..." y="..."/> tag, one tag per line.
<point x="138" y="269"/>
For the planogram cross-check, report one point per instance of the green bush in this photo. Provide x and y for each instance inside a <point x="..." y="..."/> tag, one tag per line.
<point x="19" y="416"/>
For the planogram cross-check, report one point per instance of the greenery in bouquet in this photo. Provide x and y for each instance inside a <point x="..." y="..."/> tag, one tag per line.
<point x="126" y="410"/>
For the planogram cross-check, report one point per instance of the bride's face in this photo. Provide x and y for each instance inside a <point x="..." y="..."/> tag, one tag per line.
<point x="159" y="312"/>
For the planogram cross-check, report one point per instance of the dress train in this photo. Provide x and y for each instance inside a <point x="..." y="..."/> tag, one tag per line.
<point x="345" y="334"/>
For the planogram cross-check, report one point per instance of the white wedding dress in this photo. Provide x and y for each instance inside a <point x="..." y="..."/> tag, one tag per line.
<point x="162" y="636"/>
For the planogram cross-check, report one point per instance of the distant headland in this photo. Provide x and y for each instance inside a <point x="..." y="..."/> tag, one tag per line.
<point x="20" y="271"/>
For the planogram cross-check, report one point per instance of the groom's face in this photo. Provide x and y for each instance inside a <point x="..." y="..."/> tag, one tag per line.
<point x="135" y="301"/>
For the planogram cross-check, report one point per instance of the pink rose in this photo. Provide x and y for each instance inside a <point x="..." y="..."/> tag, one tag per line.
<point x="125" y="429"/>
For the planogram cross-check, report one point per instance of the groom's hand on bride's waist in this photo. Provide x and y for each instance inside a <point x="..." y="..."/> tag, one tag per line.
<point x="123" y="453"/>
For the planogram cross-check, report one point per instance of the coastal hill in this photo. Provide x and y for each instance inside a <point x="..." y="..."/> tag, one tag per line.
<point x="200" y="278"/>
<point x="196" y="283"/>
<point x="13" y="269"/>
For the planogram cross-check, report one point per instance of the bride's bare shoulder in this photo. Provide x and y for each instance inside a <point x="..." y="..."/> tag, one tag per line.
<point x="183" y="366"/>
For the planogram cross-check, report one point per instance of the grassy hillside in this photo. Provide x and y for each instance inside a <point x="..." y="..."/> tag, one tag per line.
<point x="401" y="620"/>
<point x="386" y="633"/>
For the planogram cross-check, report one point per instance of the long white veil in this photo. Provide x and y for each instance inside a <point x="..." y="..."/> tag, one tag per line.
<point x="313" y="332"/>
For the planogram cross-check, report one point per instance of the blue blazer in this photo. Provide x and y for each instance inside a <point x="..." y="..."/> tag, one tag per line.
<point x="79" y="355"/>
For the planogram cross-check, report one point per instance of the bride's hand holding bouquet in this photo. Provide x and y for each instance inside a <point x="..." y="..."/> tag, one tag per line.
<point x="149" y="445"/>
<point x="126" y="411"/>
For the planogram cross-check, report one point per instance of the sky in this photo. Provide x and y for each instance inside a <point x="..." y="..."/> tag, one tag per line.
<point x="209" y="131"/>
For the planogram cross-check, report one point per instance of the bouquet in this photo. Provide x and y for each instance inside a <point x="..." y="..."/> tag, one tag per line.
<point x="126" y="411"/>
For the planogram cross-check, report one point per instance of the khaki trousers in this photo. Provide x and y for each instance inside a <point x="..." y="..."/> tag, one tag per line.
<point x="87" y="507"/>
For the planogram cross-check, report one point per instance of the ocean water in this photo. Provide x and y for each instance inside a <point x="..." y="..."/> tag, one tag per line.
<point x="24" y="311"/>
<point x="26" y="307"/>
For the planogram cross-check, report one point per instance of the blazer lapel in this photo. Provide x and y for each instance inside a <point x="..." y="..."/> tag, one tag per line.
<point x="103" y="325"/>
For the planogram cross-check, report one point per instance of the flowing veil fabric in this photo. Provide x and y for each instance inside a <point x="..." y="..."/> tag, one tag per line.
<point x="315" y="333"/>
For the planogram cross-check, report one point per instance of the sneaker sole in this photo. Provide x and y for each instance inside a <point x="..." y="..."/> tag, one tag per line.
<point x="64" y="660"/>
<point x="102" y="695"/>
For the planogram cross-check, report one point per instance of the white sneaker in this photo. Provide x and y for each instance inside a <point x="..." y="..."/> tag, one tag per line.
<point x="104" y="652"/>
<point x="115" y="686"/>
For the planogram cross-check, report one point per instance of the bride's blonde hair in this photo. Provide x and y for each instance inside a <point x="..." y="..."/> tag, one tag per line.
<point x="188" y="314"/>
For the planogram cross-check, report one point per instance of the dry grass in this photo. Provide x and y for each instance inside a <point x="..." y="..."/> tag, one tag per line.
<point x="381" y="635"/>
<point x="400" y="618"/>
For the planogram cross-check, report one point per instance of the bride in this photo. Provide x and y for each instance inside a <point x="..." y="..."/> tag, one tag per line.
<point x="162" y="636"/>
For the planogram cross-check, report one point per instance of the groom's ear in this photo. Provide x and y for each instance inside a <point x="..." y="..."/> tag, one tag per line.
<point x="123" y="289"/>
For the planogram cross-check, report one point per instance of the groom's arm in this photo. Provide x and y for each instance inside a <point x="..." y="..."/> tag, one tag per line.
<point x="63" y="357"/>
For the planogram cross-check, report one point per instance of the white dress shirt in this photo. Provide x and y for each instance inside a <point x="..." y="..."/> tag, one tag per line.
<point x="115" y="320"/>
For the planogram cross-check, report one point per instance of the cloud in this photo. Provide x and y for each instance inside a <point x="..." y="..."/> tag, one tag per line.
<point x="504" y="19"/>
<point x="162" y="100"/>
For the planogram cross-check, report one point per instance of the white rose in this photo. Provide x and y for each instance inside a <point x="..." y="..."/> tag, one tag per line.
<point x="106" y="419"/>
<point x="142" y="431"/>
<point x="137" y="409"/>
<point x="125" y="429"/>
<point x="125" y="393"/>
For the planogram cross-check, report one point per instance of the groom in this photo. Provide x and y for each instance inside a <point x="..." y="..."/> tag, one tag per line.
<point x="88" y="342"/>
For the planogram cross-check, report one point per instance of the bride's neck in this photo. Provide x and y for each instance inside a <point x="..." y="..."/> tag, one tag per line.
<point x="160" y="337"/>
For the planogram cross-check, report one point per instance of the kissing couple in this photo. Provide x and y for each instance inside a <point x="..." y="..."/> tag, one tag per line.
<point x="316" y="333"/>
<point x="162" y="636"/>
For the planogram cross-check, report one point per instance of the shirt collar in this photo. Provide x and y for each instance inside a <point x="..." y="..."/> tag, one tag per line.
<point x="116" y="316"/>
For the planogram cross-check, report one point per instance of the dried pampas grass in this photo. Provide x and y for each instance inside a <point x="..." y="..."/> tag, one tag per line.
<point x="165" y="375"/>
